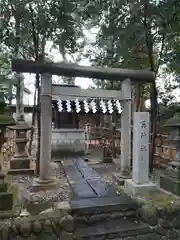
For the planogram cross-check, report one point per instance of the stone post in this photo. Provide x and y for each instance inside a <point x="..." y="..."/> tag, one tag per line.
<point x="20" y="162"/>
<point x="140" y="171"/>
<point x="126" y="117"/>
<point x="107" y="147"/>
<point x="19" y="98"/>
<point x="45" y="180"/>
<point x="6" y="198"/>
<point x="170" y="180"/>
<point x="126" y="130"/>
<point x="87" y="131"/>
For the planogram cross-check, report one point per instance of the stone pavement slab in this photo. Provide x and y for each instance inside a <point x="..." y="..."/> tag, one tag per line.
<point x="113" y="229"/>
<point x="82" y="190"/>
<point x="102" y="204"/>
<point x="86" y="171"/>
<point x="100" y="188"/>
<point x="80" y="187"/>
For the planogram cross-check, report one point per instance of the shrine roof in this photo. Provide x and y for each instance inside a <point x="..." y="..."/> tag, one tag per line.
<point x="66" y="85"/>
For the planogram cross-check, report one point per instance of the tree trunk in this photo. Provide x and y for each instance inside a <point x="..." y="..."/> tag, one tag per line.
<point x="149" y="44"/>
<point x="38" y="125"/>
<point x="153" y="124"/>
<point x="33" y="122"/>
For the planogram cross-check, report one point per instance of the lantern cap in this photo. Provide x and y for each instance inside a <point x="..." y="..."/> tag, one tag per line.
<point x="173" y="121"/>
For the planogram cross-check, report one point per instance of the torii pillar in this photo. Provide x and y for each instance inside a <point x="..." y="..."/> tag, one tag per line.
<point x="126" y="123"/>
<point x="45" y="180"/>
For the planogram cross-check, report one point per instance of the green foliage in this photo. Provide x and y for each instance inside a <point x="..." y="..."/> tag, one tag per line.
<point x="39" y="21"/>
<point x="172" y="58"/>
<point x="6" y="79"/>
<point x="68" y="80"/>
<point x="27" y="29"/>
<point x="134" y="34"/>
<point x="167" y="112"/>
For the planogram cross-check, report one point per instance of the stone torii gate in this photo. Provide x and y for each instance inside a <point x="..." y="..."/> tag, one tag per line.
<point x="46" y="70"/>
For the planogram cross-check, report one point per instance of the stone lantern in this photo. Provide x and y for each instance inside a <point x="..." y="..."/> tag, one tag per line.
<point x="20" y="162"/>
<point x="170" y="180"/>
<point x="6" y="198"/>
<point x="107" y="156"/>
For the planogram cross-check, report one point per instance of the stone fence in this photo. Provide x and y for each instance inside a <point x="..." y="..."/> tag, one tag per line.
<point x="165" y="151"/>
<point x="8" y="148"/>
<point x="160" y="221"/>
<point x="51" y="224"/>
<point x="68" y="142"/>
<point x="163" y="219"/>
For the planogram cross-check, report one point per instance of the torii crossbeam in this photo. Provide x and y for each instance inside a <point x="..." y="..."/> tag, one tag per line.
<point x="74" y="70"/>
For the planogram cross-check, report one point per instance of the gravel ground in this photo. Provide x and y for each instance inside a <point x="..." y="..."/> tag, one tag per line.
<point x="105" y="171"/>
<point x="62" y="194"/>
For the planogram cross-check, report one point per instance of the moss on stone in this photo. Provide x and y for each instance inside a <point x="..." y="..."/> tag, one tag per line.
<point x="25" y="229"/>
<point x="14" y="190"/>
<point x="66" y="236"/>
<point x="161" y="201"/>
<point x="126" y="171"/>
<point x="174" y="121"/>
<point x="4" y="232"/>
<point x="6" y="120"/>
<point x="9" y="179"/>
<point x="149" y="213"/>
<point x="46" y="222"/>
<point x="47" y="226"/>
<point x="159" y="204"/>
<point x="3" y="187"/>
<point x="36" y="227"/>
<point x="67" y="223"/>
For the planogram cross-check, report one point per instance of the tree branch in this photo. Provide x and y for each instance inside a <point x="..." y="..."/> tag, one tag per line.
<point x="34" y="34"/>
<point x="161" y="53"/>
<point x="148" y="37"/>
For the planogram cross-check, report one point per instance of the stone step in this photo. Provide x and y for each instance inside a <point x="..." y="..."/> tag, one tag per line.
<point x="96" y="218"/>
<point x="25" y="171"/>
<point x="103" y="205"/>
<point x="112" y="229"/>
<point x="163" y="165"/>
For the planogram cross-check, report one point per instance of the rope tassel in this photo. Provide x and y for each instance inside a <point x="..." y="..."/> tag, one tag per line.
<point x="86" y="106"/>
<point x="78" y="108"/>
<point x="60" y="106"/>
<point x="68" y="105"/>
<point x="103" y="106"/>
<point x="93" y="106"/>
<point x="110" y="107"/>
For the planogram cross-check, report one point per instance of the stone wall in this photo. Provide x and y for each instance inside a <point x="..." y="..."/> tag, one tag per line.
<point x="8" y="148"/>
<point x="92" y="119"/>
<point x="68" y="142"/>
<point x="51" y="224"/>
<point x="165" y="151"/>
<point x="59" y="223"/>
<point x="164" y="221"/>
